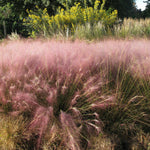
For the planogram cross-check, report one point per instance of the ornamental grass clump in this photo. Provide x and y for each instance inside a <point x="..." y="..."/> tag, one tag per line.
<point x="132" y="28"/>
<point x="70" y="93"/>
<point x="11" y="132"/>
<point x="48" y="86"/>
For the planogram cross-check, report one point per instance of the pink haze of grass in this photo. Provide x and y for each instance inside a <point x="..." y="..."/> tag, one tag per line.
<point x="50" y="79"/>
<point x="75" y="56"/>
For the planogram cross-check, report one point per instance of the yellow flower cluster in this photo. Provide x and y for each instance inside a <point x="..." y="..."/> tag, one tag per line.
<point x="37" y="21"/>
<point x="70" y="18"/>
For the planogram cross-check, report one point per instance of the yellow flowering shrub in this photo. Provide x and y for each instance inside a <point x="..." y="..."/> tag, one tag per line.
<point x="69" y="19"/>
<point x="38" y="22"/>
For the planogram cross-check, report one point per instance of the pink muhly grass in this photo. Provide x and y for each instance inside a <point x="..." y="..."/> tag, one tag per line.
<point x="63" y="55"/>
<point x="24" y="101"/>
<point x="65" y="81"/>
<point x="104" y="103"/>
<point x="40" y="122"/>
<point x="71" y="131"/>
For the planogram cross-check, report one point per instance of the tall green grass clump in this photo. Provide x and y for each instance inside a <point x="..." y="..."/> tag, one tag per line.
<point x="67" y="20"/>
<point x="11" y="132"/>
<point x="132" y="28"/>
<point x="127" y="28"/>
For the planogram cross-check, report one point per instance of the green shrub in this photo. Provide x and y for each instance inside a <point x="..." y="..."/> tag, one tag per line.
<point x="69" y="19"/>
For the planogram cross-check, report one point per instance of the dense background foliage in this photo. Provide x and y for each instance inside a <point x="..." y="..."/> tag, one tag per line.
<point x="67" y="20"/>
<point x="13" y="12"/>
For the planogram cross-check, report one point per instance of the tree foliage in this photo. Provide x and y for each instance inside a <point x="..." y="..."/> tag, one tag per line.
<point x="125" y="7"/>
<point x="146" y="12"/>
<point x="14" y="21"/>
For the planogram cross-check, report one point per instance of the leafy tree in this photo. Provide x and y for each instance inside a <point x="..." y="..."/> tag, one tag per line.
<point x="146" y="12"/>
<point x="125" y="7"/>
<point x="5" y="14"/>
<point x="14" y="20"/>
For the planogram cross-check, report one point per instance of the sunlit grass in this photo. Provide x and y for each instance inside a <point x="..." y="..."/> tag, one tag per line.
<point x="11" y="132"/>
<point x="126" y="29"/>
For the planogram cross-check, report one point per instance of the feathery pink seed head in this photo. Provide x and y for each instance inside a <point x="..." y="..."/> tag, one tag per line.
<point x="34" y="73"/>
